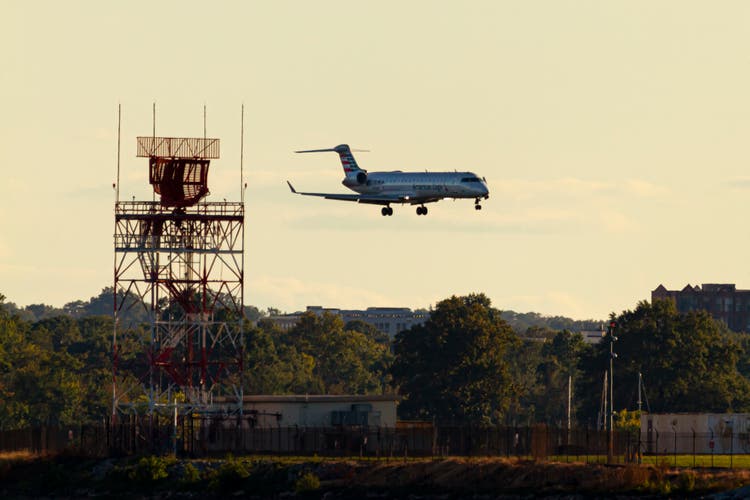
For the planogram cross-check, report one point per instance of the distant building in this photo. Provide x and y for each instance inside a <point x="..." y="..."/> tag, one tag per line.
<point x="723" y="301"/>
<point x="389" y="320"/>
<point x="593" y="336"/>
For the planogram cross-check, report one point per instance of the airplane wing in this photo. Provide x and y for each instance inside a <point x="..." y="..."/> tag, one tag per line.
<point x="372" y="199"/>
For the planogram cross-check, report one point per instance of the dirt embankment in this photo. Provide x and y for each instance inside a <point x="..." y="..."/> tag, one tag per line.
<point x="464" y="477"/>
<point x="277" y="477"/>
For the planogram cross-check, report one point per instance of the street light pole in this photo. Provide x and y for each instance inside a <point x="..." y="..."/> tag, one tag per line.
<point x="612" y="356"/>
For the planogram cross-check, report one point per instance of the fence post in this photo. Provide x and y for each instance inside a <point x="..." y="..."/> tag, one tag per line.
<point x="675" y="447"/>
<point x="587" y="445"/>
<point x="693" y="448"/>
<point x="638" y="451"/>
<point x="628" y="451"/>
<point x="507" y="441"/>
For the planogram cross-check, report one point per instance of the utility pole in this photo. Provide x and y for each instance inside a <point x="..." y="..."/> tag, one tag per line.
<point x="612" y="356"/>
<point x="605" y="403"/>
<point x="640" y="403"/>
<point x="570" y="396"/>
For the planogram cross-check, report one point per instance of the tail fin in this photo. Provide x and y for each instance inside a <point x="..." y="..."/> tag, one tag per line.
<point x="347" y="159"/>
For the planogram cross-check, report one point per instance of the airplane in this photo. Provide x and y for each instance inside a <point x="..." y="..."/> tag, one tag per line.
<point x="413" y="188"/>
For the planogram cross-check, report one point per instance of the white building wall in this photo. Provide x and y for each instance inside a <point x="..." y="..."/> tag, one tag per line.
<point x="315" y="411"/>
<point x="719" y="433"/>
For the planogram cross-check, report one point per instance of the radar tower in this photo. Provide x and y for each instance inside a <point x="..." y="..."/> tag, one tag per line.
<point x="178" y="288"/>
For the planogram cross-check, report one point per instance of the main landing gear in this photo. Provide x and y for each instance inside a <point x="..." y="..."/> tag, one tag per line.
<point x="422" y="210"/>
<point x="477" y="206"/>
<point x="386" y="211"/>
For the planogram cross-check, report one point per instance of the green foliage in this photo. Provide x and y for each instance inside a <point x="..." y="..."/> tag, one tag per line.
<point x="266" y="371"/>
<point x="686" y="481"/>
<point x="553" y="368"/>
<point x="454" y="367"/>
<point x="317" y="356"/>
<point x="629" y="421"/>
<point x="230" y="475"/>
<point x="53" y="371"/>
<point x="307" y="482"/>
<point x="368" y="330"/>
<point x="190" y="474"/>
<point x="151" y="469"/>
<point x="465" y="364"/>
<point x="534" y="323"/>
<point x="524" y="360"/>
<point x="688" y="362"/>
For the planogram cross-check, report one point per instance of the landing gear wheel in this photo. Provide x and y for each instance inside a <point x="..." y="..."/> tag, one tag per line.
<point x="421" y="210"/>
<point x="384" y="211"/>
<point x="478" y="207"/>
<point x="390" y="211"/>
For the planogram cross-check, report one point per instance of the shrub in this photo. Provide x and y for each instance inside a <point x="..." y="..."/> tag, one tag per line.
<point x="307" y="482"/>
<point x="151" y="469"/>
<point x="686" y="481"/>
<point x="190" y="474"/>
<point x="230" y="476"/>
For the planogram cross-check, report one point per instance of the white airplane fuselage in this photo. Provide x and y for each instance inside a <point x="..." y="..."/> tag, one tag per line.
<point x="420" y="185"/>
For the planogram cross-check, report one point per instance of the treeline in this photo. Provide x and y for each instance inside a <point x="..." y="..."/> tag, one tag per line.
<point x="466" y="364"/>
<point x="101" y="305"/>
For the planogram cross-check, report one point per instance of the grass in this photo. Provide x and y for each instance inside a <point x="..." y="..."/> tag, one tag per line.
<point x="17" y="456"/>
<point x="683" y="461"/>
<point x="702" y="461"/>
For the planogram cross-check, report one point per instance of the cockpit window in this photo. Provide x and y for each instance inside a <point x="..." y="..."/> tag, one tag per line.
<point x="470" y="179"/>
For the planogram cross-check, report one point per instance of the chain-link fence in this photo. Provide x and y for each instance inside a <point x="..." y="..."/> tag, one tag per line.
<point x="200" y="436"/>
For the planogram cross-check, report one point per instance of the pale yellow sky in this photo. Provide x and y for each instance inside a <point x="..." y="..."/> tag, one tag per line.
<point x="613" y="136"/>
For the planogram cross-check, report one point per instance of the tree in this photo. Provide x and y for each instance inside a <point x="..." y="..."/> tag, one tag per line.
<point x="688" y="362"/>
<point x="12" y="330"/>
<point x="321" y="357"/>
<point x="560" y="358"/>
<point x="367" y="329"/>
<point x="95" y="351"/>
<point x="524" y="360"/>
<point x="454" y="366"/>
<point x="265" y="371"/>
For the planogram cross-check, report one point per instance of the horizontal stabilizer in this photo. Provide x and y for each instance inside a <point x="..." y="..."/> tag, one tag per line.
<point x="316" y="150"/>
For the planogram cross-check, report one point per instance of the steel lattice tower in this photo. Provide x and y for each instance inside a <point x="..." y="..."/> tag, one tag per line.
<point x="178" y="281"/>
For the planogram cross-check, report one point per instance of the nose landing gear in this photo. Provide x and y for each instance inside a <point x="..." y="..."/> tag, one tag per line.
<point x="386" y="211"/>
<point x="477" y="206"/>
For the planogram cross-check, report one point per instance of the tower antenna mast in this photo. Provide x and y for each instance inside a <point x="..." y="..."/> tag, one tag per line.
<point x="117" y="181"/>
<point x="242" y="152"/>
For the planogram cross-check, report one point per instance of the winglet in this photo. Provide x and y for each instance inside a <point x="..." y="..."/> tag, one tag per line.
<point x="291" y="187"/>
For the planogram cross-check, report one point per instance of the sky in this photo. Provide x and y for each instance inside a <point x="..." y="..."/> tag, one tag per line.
<point x="613" y="136"/>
